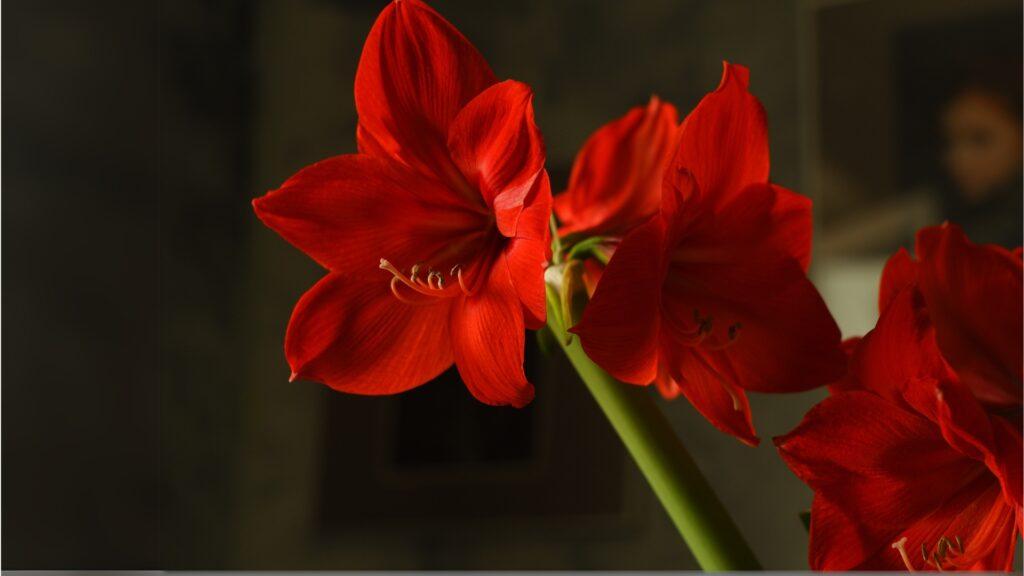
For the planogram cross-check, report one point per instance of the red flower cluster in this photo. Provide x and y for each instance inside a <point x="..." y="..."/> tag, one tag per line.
<point x="706" y="294"/>
<point x="436" y="235"/>
<point x="448" y="196"/>
<point x="915" y="459"/>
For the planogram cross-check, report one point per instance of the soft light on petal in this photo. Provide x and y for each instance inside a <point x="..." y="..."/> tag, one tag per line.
<point x="348" y="212"/>
<point x="355" y="336"/>
<point x="497" y="146"/>
<point x="488" y="340"/>
<point x="415" y="74"/>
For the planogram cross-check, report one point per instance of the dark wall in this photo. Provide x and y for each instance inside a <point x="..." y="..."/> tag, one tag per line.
<point x="81" y="285"/>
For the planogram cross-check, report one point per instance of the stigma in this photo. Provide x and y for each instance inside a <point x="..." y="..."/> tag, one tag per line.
<point x="943" y="555"/>
<point x="433" y="285"/>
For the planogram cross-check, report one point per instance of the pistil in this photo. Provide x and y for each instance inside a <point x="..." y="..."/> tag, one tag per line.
<point x="900" y="545"/>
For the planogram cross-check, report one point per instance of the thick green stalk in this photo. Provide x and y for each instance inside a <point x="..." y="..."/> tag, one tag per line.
<point x="685" y="494"/>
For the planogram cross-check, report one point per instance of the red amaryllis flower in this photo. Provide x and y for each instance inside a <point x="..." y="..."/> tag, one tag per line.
<point x="916" y="463"/>
<point x="435" y="235"/>
<point x="710" y="298"/>
<point x="615" y="184"/>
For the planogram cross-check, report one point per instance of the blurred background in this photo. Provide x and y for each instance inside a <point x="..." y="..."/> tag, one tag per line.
<point x="147" y="417"/>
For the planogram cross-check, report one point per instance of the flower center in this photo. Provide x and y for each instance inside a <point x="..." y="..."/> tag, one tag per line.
<point x="701" y="332"/>
<point x="942" y="555"/>
<point x="433" y="285"/>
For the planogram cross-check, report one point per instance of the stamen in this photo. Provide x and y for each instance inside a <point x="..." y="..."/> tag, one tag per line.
<point x="701" y="332"/>
<point x="433" y="285"/>
<point x="899" y="545"/>
<point x="433" y="277"/>
<point x="944" y="549"/>
<point x="703" y="324"/>
<point x="394" y="290"/>
<point x="457" y="272"/>
<point x="385" y="265"/>
<point x="734" y="331"/>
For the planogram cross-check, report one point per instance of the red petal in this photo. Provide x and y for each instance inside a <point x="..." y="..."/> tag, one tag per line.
<point x="836" y="542"/>
<point x="974" y="298"/>
<point x="710" y="388"/>
<point x="791" y="225"/>
<point x="526" y="259"/>
<point x="1008" y="460"/>
<point x="616" y="179"/>
<point x="977" y="516"/>
<point x="348" y="212"/>
<point x="367" y="144"/>
<point x="884" y="466"/>
<point x="900" y="271"/>
<point x="666" y="385"/>
<point x="488" y="339"/>
<point x="732" y="266"/>
<point x="847" y="382"/>
<point x="968" y="428"/>
<point x="963" y="422"/>
<point x="619" y="328"/>
<point x="355" y="336"/>
<point x="764" y="219"/>
<point x="415" y="74"/>
<point x="724" y="141"/>
<point x="528" y="253"/>
<point x="534" y="220"/>
<point x="592" y="272"/>
<point x="900" y="349"/>
<point x="498" y="148"/>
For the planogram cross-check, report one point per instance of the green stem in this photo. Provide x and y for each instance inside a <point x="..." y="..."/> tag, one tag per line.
<point x="582" y="248"/>
<point x="685" y="494"/>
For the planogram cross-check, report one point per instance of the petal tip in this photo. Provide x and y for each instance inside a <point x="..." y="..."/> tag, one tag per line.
<point x="525" y="398"/>
<point x="259" y="205"/>
<point x="752" y="441"/>
<point x="734" y="73"/>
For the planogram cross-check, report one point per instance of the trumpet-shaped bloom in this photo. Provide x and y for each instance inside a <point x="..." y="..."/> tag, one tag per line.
<point x="710" y="297"/>
<point x="914" y="463"/>
<point x="435" y="236"/>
